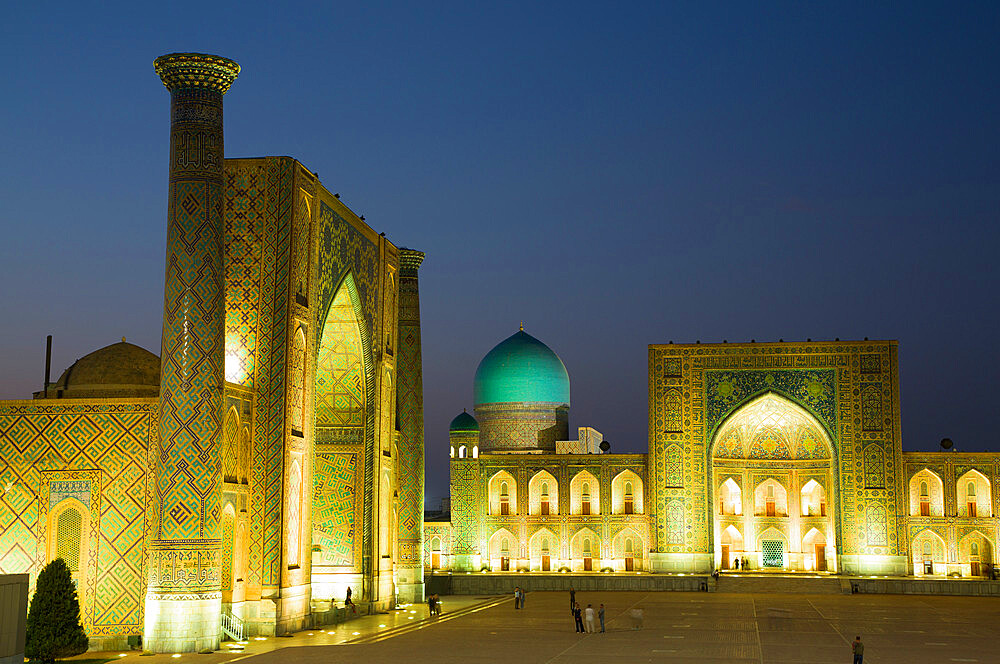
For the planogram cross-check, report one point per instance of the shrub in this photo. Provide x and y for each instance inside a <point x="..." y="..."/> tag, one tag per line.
<point x="54" y="628"/>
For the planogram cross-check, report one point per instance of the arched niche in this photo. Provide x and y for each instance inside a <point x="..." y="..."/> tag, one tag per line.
<point x="502" y="492"/>
<point x="626" y="485"/>
<point x="926" y="494"/>
<point x="584" y="494"/>
<point x="543" y="494"/>
<point x="974" y="495"/>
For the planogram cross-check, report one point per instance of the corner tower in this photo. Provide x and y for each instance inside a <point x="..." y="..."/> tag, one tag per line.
<point x="183" y="600"/>
<point x="410" y="402"/>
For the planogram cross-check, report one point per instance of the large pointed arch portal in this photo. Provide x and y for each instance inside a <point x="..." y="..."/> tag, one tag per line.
<point x="776" y="459"/>
<point x="343" y="416"/>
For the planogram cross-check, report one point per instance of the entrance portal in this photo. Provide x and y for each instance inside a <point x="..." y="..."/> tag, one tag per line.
<point x="773" y="470"/>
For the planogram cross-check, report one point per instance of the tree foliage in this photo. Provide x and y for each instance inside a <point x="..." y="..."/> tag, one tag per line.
<point x="54" y="628"/>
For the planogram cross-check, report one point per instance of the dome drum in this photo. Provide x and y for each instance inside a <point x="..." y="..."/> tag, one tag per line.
<point x="522" y="427"/>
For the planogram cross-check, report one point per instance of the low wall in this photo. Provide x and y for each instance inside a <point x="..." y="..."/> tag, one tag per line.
<point x="13" y="617"/>
<point x="912" y="586"/>
<point x="500" y="584"/>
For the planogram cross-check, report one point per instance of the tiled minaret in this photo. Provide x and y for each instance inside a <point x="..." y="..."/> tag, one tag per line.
<point x="183" y="600"/>
<point x="410" y="400"/>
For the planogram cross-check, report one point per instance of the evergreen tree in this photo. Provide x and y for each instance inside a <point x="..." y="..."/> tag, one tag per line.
<point x="54" y="628"/>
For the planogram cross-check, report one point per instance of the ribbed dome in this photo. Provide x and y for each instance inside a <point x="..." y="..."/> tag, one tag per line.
<point x="521" y="369"/>
<point x="116" y="370"/>
<point x="464" y="422"/>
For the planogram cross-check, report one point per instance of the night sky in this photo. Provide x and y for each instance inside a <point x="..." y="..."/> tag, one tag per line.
<point x="614" y="175"/>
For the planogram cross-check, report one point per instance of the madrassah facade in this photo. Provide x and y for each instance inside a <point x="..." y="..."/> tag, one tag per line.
<point x="784" y="456"/>
<point x="272" y="454"/>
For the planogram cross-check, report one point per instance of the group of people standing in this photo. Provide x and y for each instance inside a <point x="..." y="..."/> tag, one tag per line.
<point x="518" y="598"/>
<point x="584" y="618"/>
<point x="434" y="604"/>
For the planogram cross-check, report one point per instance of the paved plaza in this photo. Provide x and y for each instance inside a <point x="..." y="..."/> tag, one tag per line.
<point x="685" y="627"/>
<point x="678" y="627"/>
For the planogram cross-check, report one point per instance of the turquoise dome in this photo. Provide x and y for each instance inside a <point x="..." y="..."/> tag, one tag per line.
<point x="521" y="368"/>
<point x="464" y="422"/>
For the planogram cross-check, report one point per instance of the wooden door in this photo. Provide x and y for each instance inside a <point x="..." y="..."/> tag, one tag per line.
<point x="925" y="508"/>
<point x="725" y="556"/>
<point x="629" y="564"/>
<point x="545" y="508"/>
<point x="820" y="558"/>
<point x="629" y="506"/>
<point x="436" y="560"/>
<point x="769" y="508"/>
<point x="975" y="568"/>
<point x="504" y="564"/>
<point x="972" y="510"/>
<point x="546" y="563"/>
<point x="588" y="564"/>
<point x="586" y="507"/>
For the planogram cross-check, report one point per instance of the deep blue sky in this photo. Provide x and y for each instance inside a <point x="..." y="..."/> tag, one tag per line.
<point x="613" y="174"/>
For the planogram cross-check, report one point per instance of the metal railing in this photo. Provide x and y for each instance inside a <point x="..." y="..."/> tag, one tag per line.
<point x="232" y="626"/>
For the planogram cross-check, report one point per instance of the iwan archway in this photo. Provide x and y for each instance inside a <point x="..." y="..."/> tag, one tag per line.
<point x="343" y="426"/>
<point x="773" y="480"/>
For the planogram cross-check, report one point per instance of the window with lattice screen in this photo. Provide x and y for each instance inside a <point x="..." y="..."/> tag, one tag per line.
<point x="69" y="527"/>
<point x="773" y="553"/>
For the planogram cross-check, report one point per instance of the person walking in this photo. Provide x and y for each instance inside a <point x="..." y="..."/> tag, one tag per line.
<point x="572" y="599"/>
<point x="737" y="561"/>
<point x="517" y="598"/>
<point x="589" y="619"/>
<point x="636" y="614"/>
<point x="578" y="617"/>
<point x="858" y="649"/>
<point x="600" y="614"/>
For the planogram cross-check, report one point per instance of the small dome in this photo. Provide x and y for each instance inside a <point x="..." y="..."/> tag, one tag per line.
<point x="521" y="369"/>
<point x="121" y="369"/>
<point x="464" y="422"/>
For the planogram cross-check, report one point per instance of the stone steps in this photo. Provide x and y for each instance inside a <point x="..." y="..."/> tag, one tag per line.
<point x="777" y="583"/>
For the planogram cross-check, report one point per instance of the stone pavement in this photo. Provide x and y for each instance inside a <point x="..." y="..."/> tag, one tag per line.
<point x="360" y="629"/>
<point x="679" y="627"/>
<point x="693" y="627"/>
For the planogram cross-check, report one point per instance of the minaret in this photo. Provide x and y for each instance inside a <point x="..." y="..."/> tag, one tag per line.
<point x="183" y="600"/>
<point x="410" y="401"/>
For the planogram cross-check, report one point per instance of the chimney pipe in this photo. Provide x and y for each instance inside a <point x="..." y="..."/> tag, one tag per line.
<point x="48" y="363"/>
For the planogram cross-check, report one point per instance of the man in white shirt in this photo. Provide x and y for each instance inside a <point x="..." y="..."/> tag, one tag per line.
<point x="589" y="618"/>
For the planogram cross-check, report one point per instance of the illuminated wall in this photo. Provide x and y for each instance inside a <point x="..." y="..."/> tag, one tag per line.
<point x="479" y="526"/>
<point x="948" y="535"/>
<point x="851" y="389"/>
<point x="812" y="428"/>
<point x="90" y="454"/>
